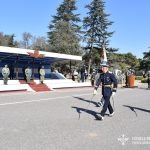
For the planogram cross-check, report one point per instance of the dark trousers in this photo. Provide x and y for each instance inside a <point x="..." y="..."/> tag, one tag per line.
<point x="106" y="105"/>
<point x="11" y="76"/>
<point x="149" y="84"/>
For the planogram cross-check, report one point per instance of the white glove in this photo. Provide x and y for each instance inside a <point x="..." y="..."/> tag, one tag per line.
<point x="113" y="93"/>
<point x="95" y="92"/>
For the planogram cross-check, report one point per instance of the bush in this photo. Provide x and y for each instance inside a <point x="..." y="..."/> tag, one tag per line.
<point x="139" y="77"/>
<point x="144" y="80"/>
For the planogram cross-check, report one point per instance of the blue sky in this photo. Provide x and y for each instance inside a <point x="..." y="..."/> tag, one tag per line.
<point x="130" y="17"/>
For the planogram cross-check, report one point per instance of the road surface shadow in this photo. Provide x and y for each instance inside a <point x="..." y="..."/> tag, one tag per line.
<point x="91" y="112"/>
<point x="89" y="101"/>
<point x="136" y="108"/>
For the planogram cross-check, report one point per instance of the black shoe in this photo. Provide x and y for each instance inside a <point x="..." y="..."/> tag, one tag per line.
<point x="110" y="115"/>
<point x="99" y="117"/>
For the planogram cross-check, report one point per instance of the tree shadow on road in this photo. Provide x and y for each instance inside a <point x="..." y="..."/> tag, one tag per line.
<point x="89" y="101"/>
<point x="136" y="108"/>
<point x="91" y="112"/>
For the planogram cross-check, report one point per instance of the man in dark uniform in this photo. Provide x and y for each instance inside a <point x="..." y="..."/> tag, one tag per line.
<point x="109" y="87"/>
<point x="11" y="68"/>
<point x="148" y="79"/>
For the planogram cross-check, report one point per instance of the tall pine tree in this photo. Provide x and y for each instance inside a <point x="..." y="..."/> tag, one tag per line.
<point x="96" y="25"/>
<point x="64" y="30"/>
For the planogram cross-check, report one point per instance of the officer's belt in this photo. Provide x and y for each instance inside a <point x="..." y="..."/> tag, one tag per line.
<point x="107" y="85"/>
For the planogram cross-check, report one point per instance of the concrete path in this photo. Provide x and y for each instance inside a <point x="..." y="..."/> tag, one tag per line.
<point x="64" y="120"/>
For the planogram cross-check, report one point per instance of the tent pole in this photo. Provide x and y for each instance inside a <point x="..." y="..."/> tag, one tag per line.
<point x="17" y="67"/>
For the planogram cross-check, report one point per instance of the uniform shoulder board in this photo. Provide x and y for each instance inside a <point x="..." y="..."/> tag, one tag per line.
<point x="110" y="72"/>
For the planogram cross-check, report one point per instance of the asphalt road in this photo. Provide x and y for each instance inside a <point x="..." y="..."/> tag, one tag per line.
<point x="65" y="120"/>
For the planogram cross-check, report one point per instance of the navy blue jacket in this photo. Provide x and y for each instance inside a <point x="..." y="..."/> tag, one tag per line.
<point x="108" y="81"/>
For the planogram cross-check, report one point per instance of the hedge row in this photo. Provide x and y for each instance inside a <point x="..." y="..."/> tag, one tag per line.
<point x="143" y="80"/>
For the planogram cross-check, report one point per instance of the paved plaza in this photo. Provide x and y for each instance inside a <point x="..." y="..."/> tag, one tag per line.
<point x="65" y="120"/>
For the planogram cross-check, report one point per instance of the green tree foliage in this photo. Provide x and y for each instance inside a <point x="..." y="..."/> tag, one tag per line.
<point x="96" y="27"/>
<point x="145" y="63"/>
<point x="8" y="40"/>
<point x="63" y="36"/>
<point x="96" y="24"/>
<point x="131" y="60"/>
<point x="147" y="55"/>
<point x="123" y="61"/>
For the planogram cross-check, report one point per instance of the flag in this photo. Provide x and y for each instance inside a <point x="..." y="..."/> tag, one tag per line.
<point x="104" y="56"/>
